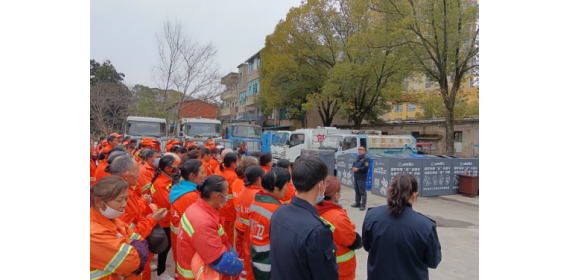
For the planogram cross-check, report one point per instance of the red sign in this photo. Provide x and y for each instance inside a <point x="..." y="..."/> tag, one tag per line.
<point x="320" y="137"/>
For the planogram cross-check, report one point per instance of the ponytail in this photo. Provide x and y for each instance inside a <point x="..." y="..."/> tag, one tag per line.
<point x="252" y="173"/>
<point x="403" y="187"/>
<point x="164" y="162"/>
<point x="228" y="160"/>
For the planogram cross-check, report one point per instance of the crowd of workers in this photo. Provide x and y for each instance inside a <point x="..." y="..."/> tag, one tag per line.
<point x="229" y="216"/>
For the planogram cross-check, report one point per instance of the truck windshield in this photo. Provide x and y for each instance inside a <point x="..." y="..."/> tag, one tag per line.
<point x="152" y="129"/>
<point x="331" y="142"/>
<point x="203" y="129"/>
<point x="247" y="131"/>
<point x="280" y="139"/>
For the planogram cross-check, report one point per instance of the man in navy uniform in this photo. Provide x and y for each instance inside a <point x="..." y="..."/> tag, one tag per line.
<point x="302" y="245"/>
<point x="360" y="169"/>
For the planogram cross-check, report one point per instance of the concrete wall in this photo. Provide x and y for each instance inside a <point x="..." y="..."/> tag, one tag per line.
<point x="470" y="131"/>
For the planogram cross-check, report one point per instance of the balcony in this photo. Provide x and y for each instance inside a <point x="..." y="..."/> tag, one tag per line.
<point x="228" y="112"/>
<point x="229" y="95"/>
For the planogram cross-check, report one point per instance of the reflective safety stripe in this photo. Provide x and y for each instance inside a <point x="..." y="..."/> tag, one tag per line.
<point x="168" y="187"/>
<point x="260" y="249"/>
<point x="153" y="207"/>
<point x="243" y="221"/>
<point x="221" y="230"/>
<point x="152" y="189"/>
<point x="96" y="274"/>
<point x="262" y="267"/>
<point x="146" y="187"/>
<point x="345" y="257"/>
<point x="132" y="226"/>
<point x="328" y="223"/>
<point x="186" y="273"/>
<point x="230" y="196"/>
<point x="173" y="228"/>
<point x="200" y="272"/>
<point x="134" y="187"/>
<point x="92" y="179"/>
<point x="186" y="225"/>
<point x="135" y="236"/>
<point x="118" y="258"/>
<point x="261" y="211"/>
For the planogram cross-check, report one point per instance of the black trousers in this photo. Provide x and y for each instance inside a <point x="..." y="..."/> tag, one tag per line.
<point x="161" y="266"/>
<point x="360" y="190"/>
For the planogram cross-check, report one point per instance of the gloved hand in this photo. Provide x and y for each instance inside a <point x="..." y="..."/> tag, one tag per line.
<point x="142" y="248"/>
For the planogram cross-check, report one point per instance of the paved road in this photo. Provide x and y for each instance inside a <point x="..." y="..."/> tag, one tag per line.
<point x="457" y="218"/>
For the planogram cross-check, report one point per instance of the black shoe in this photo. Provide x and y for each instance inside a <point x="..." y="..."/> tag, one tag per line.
<point x="355" y="205"/>
<point x="362" y="208"/>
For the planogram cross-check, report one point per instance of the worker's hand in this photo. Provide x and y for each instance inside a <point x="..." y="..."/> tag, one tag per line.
<point x="355" y="169"/>
<point x="159" y="215"/>
<point x="241" y="260"/>
<point x="148" y="198"/>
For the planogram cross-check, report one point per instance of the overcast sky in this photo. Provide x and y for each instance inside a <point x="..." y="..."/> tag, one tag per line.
<point x="124" y="32"/>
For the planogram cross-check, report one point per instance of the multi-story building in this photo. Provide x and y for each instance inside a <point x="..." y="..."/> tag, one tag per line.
<point x="407" y="111"/>
<point x="241" y="89"/>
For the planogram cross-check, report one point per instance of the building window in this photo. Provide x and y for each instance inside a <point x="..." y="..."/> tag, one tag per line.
<point x="458" y="135"/>
<point x="398" y="119"/>
<point x="411" y="107"/>
<point x="421" y="107"/>
<point x="410" y="119"/>
<point x="428" y="82"/>
<point x="399" y="108"/>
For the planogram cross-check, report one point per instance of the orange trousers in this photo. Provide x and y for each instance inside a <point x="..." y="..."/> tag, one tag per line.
<point x="229" y="228"/>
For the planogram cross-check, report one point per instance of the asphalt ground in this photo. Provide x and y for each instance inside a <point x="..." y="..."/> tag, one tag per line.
<point x="457" y="220"/>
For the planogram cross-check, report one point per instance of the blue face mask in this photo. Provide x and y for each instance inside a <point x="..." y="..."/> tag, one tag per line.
<point x="156" y="161"/>
<point x="320" y="197"/>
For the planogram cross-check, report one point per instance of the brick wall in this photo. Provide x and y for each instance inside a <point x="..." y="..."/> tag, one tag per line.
<point x="198" y="109"/>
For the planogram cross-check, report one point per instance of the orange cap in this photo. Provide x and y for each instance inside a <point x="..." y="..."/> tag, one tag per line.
<point x="145" y="142"/>
<point x="104" y="143"/>
<point x="116" y="135"/>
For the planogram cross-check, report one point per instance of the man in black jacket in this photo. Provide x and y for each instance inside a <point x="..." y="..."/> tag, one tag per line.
<point x="302" y="245"/>
<point x="360" y="169"/>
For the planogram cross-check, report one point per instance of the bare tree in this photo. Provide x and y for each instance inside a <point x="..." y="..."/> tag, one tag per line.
<point x="189" y="69"/>
<point x="109" y="105"/>
<point x="170" y="57"/>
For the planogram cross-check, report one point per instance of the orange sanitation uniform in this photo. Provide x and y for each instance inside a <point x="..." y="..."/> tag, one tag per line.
<point x="134" y="217"/>
<point x="146" y="173"/>
<point x="229" y="210"/>
<point x="111" y="252"/>
<point x="260" y="212"/>
<point x="343" y="235"/>
<point x="239" y="238"/>
<point x="289" y="194"/>
<point x="207" y="167"/>
<point x="245" y="199"/>
<point x="178" y="206"/>
<point x="266" y="168"/>
<point x="160" y="190"/>
<point x="100" y="171"/>
<point x="92" y="170"/>
<point x="214" y="163"/>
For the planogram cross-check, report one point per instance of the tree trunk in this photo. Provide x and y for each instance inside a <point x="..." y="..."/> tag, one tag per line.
<point x="449" y="133"/>
<point x="357" y="122"/>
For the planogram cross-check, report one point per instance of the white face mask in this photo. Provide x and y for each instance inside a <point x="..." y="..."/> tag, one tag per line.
<point x="340" y="197"/>
<point x="111" y="213"/>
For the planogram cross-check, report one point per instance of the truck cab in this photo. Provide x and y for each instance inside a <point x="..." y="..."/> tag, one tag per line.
<point x="141" y="127"/>
<point x="288" y="144"/>
<point x="200" y="128"/>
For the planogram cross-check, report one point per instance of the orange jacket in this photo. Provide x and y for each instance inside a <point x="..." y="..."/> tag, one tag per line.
<point x="137" y="156"/>
<point x="100" y="171"/>
<point x="214" y="163"/>
<point x="177" y="209"/>
<point x="289" y="194"/>
<point x="160" y="190"/>
<point x="343" y="235"/>
<point x="134" y="215"/>
<point x="237" y="187"/>
<point x="146" y="173"/>
<point x="218" y="171"/>
<point x="260" y="212"/>
<point x="207" y="167"/>
<point x="200" y="232"/>
<point x="111" y="252"/>
<point x="229" y="210"/>
<point x="92" y="170"/>
<point x="245" y="199"/>
<point x="266" y="168"/>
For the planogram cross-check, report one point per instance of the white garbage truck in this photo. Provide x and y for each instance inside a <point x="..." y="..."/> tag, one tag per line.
<point x="288" y="144"/>
<point x="200" y="128"/>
